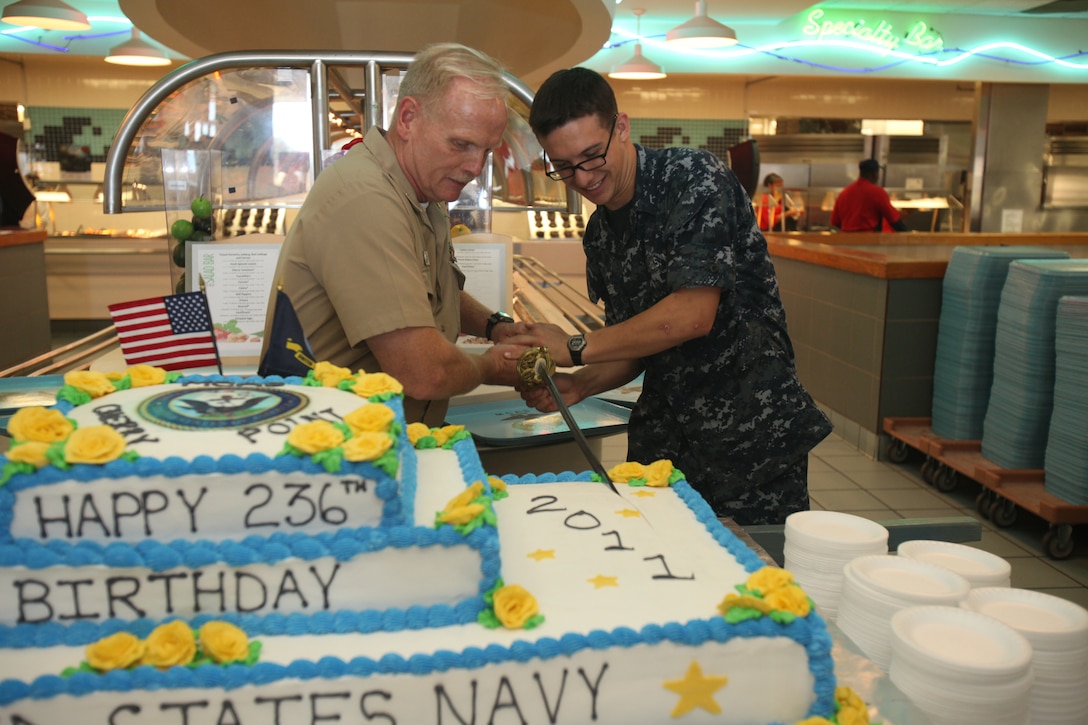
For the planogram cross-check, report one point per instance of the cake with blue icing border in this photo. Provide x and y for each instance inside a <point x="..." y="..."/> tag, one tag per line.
<point x="676" y="629"/>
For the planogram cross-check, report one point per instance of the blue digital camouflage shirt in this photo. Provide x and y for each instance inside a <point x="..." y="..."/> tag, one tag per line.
<point x="727" y="408"/>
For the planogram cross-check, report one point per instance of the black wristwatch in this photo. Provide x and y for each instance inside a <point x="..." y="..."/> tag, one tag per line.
<point x="575" y="346"/>
<point x="495" y="319"/>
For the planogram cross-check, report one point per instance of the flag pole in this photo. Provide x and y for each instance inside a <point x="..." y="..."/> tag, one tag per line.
<point x="211" y="324"/>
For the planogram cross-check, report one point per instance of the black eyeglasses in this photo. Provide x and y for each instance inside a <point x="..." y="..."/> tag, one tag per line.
<point x="593" y="162"/>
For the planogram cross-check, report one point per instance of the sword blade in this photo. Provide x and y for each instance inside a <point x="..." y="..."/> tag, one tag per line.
<point x="541" y="369"/>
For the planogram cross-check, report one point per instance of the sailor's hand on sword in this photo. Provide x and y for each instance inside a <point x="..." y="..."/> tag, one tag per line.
<point x="540" y="395"/>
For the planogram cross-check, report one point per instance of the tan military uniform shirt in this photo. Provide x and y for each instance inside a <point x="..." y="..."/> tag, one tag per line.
<point x="363" y="258"/>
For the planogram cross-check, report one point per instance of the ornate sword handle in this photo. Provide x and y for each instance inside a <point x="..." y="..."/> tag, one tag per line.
<point x="528" y="362"/>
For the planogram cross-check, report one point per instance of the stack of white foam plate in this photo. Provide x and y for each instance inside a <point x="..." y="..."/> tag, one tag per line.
<point x="876" y="587"/>
<point x="980" y="568"/>
<point x="818" y="545"/>
<point x="1058" y="632"/>
<point x="961" y="667"/>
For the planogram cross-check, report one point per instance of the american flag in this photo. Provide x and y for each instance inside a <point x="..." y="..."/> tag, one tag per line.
<point x="172" y="332"/>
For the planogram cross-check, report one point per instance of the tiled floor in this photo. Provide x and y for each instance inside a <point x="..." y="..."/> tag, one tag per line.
<point x="843" y="479"/>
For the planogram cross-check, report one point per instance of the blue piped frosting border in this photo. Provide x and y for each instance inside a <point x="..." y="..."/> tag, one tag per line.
<point x="814" y="638"/>
<point x="387" y="490"/>
<point x="340" y="546"/>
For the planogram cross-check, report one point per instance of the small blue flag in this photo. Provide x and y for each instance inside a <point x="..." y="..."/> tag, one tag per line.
<point x="287" y="352"/>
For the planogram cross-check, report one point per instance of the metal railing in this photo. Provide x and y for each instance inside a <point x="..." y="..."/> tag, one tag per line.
<point x="318" y="63"/>
<point x="76" y="355"/>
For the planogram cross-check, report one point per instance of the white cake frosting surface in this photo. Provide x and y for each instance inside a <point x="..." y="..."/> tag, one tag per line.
<point x="371" y="617"/>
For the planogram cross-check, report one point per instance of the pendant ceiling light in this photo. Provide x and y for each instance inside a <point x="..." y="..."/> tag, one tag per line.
<point x="137" y="51"/>
<point x="701" y="31"/>
<point x="638" y="67"/>
<point x="46" y="14"/>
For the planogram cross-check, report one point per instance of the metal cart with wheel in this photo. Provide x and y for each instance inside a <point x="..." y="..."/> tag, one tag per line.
<point x="1004" y="491"/>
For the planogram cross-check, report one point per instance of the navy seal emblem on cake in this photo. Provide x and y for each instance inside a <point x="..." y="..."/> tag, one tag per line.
<point x="213" y="407"/>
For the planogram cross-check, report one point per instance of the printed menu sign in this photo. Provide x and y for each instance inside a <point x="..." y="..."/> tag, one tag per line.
<point x="487" y="261"/>
<point x="237" y="281"/>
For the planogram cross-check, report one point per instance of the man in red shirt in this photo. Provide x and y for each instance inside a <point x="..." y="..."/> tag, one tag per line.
<point x="863" y="206"/>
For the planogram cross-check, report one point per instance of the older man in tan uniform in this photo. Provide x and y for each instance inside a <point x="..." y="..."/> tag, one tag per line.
<point x="369" y="262"/>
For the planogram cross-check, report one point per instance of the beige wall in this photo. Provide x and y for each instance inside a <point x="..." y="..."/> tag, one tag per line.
<point x="93" y="83"/>
<point x="79" y="82"/>
<point x="736" y="97"/>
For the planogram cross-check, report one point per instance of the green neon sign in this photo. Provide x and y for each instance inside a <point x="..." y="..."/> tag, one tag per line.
<point x="883" y="34"/>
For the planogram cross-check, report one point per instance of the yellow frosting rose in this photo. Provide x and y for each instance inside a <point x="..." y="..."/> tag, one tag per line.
<point x="311" y="438"/>
<point x="96" y="444"/>
<point x="330" y="375"/>
<point x="224" y="642"/>
<point x="93" y="384"/>
<point x="113" y="377"/>
<point x="38" y="424"/>
<point x="370" y="419"/>
<point x="169" y="645"/>
<point x="815" y="721"/>
<point x="514" y="606"/>
<point x="443" y="434"/>
<point x="852" y="716"/>
<point x="790" y="599"/>
<point x="32" y="452"/>
<point x="416" y="431"/>
<point x="497" y="484"/>
<point x="466" y="497"/>
<point x="658" y="472"/>
<point x="624" y="472"/>
<point x="144" y="375"/>
<point x="747" y="601"/>
<point x="768" y="579"/>
<point x="852" y="709"/>
<point x="369" y="384"/>
<point x="367" y="446"/>
<point x="116" y="652"/>
<point x="461" y="515"/>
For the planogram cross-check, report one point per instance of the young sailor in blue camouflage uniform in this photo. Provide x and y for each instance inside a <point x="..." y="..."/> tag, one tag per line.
<point x="691" y="300"/>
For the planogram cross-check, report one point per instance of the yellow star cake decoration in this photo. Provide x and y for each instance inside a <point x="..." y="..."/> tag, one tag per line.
<point x="696" y="690"/>
<point x="541" y="554"/>
<point x="629" y="513"/>
<point x="643" y="493"/>
<point x="601" y="580"/>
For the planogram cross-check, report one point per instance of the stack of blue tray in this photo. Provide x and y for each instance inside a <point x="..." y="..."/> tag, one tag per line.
<point x="963" y="371"/>
<point x="1017" y="421"/>
<point x="1067" y="446"/>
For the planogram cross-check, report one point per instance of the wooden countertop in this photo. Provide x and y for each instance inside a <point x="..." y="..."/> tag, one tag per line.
<point x="914" y="255"/>
<point x="11" y="237"/>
